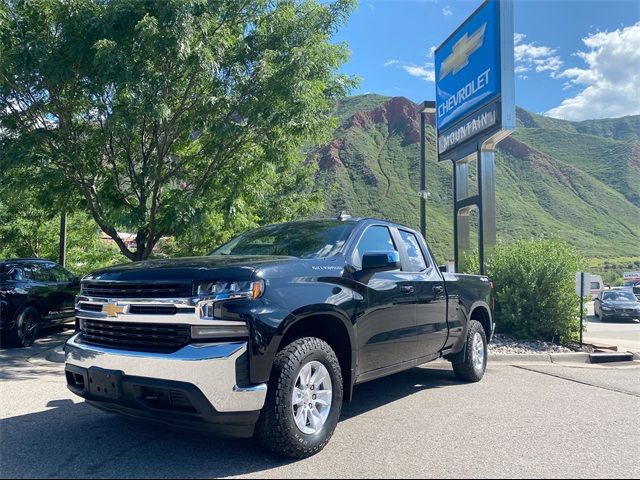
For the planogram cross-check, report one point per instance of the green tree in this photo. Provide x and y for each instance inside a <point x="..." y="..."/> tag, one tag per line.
<point x="161" y="114"/>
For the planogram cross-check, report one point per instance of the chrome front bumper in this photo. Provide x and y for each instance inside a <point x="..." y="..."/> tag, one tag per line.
<point x="211" y="367"/>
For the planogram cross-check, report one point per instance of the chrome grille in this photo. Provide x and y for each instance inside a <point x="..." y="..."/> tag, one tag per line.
<point x="143" y="337"/>
<point x="136" y="290"/>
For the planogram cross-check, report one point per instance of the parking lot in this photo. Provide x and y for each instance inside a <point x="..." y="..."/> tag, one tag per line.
<point x="624" y="335"/>
<point x="533" y="420"/>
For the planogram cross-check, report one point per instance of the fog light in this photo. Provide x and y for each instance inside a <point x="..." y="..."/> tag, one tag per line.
<point x="230" y="330"/>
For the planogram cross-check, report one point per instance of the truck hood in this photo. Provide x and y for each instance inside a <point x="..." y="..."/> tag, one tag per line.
<point x="188" y="269"/>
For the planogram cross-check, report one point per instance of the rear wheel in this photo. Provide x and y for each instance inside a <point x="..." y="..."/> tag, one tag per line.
<point x="25" y="328"/>
<point x="304" y="399"/>
<point x="472" y="368"/>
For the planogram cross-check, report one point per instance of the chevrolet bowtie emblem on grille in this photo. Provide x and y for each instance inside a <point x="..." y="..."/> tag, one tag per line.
<point x="464" y="47"/>
<point x="112" y="309"/>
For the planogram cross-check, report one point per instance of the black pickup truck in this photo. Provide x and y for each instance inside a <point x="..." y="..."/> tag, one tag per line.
<point x="269" y="333"/>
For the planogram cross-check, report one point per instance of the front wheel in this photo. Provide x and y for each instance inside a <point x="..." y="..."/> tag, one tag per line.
<point x="25" y="328"/>
<point x="304" y="399"/>
<point x="472" y="368"/>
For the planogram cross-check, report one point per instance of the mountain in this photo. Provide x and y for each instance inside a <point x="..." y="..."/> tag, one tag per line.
<point x="577" y="181"/>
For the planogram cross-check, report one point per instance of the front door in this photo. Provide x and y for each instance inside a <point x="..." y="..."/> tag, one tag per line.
<point x="386" y="319"/>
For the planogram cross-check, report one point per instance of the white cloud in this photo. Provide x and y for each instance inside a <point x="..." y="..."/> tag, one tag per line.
<point x="447" y="11"/>
<point x="432" y="51"/>
<point x="531" y="57"/>
<point x="390" y="63"/>
<point x="518" y="38"/>
<point x="426" y="72"/>
<point x="610" y="80"/>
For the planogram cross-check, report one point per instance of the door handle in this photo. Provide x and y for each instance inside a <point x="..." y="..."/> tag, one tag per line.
<point x="438" y="289"/>
<point x="407" y="289"/>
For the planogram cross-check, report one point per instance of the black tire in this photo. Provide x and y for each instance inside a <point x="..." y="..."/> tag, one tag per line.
<point x="276" y="429"/>
<point x="468" y="370"/>
<point x="25" y="328"/>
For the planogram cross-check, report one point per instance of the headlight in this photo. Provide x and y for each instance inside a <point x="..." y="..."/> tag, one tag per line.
<point x="226" y="289"/>
<point x="607" y="308"/>
<point x="212" y="292"/>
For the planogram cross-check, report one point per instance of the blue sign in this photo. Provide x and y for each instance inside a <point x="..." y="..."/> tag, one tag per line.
<point x="474" y="68"/>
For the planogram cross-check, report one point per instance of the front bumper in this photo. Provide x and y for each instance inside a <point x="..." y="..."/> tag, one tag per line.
<point x="206" y="373"/>
<point x="619" y="316"/>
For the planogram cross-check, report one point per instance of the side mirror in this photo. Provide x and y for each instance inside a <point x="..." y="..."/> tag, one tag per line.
<point x="75" y="282"/>
<point x="442" y="268"/>
<point x="374" y="262"/>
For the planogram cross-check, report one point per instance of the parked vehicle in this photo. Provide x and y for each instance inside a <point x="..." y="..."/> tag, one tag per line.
<point x="632" y="279"/>
<point x="34" y="294"/>
<point x="597" y="285"/>
<point x="270" y="332"/>
<point x="617" y="304"/>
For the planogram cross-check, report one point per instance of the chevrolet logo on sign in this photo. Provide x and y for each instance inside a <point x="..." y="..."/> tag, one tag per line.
<point x="112" y="309"/>
<point x="459" y="57"/>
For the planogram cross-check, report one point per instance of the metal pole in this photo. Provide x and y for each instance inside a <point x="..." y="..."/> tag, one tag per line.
<point x="455" y="218"/>
<point x="62" y="257"/>
<point x="423" y="179"/>
<point x="581" y="304"/>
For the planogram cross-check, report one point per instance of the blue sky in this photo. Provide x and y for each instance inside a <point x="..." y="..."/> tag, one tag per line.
<point x="575" y="59"/>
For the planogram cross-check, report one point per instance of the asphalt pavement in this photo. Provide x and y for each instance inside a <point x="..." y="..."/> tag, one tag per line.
<point x="521" y="420"/>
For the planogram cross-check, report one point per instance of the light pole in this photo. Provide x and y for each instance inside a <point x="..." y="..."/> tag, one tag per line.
<point x="428" y="107"/>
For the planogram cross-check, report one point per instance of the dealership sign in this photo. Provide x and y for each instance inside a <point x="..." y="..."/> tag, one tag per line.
<point x="474" y="79"/>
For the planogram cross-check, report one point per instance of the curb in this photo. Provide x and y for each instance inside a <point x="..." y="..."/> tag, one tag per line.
<point x="520" y="358"/>
<point x="573" y="357"/>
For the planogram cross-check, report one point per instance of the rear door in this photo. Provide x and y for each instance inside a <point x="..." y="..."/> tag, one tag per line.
<point x="431" y="297"/>
<point x="386" y="320"/>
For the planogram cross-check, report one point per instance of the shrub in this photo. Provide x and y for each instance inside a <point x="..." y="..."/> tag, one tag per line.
<point x="535" y="289"/>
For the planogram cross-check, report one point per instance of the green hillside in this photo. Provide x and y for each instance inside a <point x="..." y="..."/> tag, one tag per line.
<point x="552" y="180"/>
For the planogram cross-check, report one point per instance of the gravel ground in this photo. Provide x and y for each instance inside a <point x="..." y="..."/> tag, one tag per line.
<point x="504" y="344"/>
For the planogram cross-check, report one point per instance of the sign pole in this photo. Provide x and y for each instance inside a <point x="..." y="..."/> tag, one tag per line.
<point x="581" y="304"/>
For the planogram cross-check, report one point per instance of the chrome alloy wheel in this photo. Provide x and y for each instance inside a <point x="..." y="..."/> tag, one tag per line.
<point x="312" y="397"/>
<point x="477" y="352"/>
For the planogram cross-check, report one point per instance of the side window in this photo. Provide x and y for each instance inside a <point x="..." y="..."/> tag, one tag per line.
<point x="33" y="272"/>
<point x="375" y="239"/>
<point x="39" y="271"/>
<point x="416" y="257"/>
<point x="60" y="274"/>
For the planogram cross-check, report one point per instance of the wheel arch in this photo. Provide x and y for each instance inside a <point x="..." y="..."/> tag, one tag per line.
<point x="332" y="328"/>
<point x="482" y="313"/>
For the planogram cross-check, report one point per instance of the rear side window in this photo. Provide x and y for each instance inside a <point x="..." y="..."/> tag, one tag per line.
<point x="417" y="261"/>
<point x="374" y="239"/>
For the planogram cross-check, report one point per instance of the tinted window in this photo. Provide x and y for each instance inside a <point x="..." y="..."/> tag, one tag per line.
<point x="314" y="239"/>
<point x="595" y="285"/>
<point x="416" y="258"/>
<point x="60" y="274"/>
<point x="375" y="239"/>
<point x="38" y="271"/>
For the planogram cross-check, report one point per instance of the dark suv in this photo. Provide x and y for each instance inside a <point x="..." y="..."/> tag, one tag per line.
<point x="34" y="293"/>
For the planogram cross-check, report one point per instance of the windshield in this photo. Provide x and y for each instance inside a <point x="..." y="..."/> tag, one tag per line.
<point x="313" y="239"/>
<point x="619" y="296"/>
